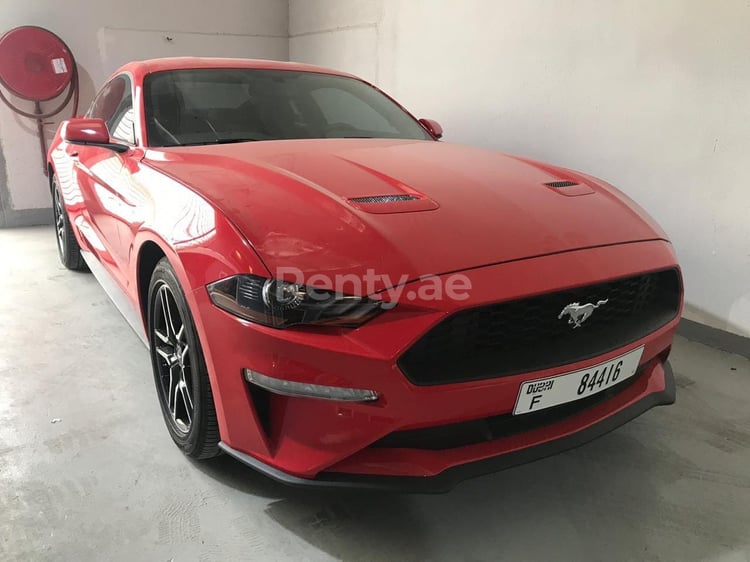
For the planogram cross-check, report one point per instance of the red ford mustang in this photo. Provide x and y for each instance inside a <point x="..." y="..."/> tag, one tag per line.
<point x="334" y="297"/>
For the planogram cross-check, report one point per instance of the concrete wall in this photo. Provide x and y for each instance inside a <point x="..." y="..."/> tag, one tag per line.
<point x="104" y="34"/>
<point x="652" y="96"/>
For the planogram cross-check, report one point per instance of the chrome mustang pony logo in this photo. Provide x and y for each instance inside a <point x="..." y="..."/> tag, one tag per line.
<point x="579" y="313"/>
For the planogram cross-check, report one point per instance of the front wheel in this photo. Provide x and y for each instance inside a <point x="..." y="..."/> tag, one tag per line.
<point x="180" y="373"/>
<point x="67" y="246"/>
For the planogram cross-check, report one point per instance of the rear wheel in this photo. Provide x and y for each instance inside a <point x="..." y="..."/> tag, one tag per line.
<point x="67" y="246"/>
<point x="180" y="373"/>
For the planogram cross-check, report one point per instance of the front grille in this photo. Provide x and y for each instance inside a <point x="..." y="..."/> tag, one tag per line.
<point x="383" y="198"/>
<point x="472" y="432"/>
<point x="526" y="335"/>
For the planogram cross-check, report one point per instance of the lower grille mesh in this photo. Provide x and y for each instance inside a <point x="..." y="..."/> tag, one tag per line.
<point x="526" y="335"/>
<point x="497" y="427"/>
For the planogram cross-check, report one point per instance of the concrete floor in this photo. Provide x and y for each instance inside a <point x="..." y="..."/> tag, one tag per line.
<point x="105" y="482"/>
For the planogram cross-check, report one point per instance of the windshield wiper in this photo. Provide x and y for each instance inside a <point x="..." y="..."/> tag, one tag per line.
<point x="228" y="141"/>
<point x="219" y="141"/>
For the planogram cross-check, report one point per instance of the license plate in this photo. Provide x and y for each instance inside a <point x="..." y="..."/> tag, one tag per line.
<point x="544" y="393"/>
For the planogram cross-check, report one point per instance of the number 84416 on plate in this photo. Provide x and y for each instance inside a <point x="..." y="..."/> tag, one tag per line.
<point x="552" y="391"/>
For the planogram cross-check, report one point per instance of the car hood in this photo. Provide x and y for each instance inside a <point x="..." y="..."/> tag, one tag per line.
<point x="306" y="204"/>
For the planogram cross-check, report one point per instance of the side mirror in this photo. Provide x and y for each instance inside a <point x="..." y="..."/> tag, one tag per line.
<point x="90" y="132"/>
<point x="433" y="127"/>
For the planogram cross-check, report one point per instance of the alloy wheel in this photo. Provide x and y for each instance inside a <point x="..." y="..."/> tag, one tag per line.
<point x="173" y="359"/>
<point x="59" y="213"/>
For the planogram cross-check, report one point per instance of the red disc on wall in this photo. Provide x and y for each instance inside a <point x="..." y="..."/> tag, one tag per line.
<point x="35" y="64"/>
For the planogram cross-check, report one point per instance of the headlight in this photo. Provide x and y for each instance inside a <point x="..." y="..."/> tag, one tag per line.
<point x="280" y="304"/>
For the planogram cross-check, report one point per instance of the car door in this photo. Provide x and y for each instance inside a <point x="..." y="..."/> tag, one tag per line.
<point x="103" y="175"/>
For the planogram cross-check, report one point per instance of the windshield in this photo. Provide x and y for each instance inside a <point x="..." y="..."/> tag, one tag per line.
<point x="211" y="106"/>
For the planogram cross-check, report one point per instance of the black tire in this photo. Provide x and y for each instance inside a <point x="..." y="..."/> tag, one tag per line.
<point x="67" y="246"/>
<point x="179" y="367"/>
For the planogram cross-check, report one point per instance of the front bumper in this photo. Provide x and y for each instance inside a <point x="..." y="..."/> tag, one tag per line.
<point x="302" y="440"/>
<point x="448" y="479"/>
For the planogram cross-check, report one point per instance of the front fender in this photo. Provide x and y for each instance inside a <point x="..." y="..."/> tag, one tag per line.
<point x="199" y="241"/>
<point x="202" y="246"/>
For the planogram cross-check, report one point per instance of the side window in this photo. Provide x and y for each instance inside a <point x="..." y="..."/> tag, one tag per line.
<point x="121" y="127"/>
<point x="339" y="106"/>
<point x="114" y="104"/>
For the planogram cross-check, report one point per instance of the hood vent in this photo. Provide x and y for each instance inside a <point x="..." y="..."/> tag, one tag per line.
<point x="383" y="199"/>
<point x="393" y="203"/>
<point x="558" y="184"/>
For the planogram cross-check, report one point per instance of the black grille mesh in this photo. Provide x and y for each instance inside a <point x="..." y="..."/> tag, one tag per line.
<point x="526" y="335"/>
<point x="383" y="198"/>
<point x="561" y="184"/>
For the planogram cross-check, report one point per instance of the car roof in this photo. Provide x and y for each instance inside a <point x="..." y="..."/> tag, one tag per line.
<point x="144" y="67"/>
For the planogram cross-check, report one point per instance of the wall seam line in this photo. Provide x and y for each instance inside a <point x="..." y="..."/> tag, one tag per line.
<point x="334" y="29"/>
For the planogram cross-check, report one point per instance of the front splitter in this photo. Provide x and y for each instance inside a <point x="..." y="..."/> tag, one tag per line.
<point x="448" y="479"/>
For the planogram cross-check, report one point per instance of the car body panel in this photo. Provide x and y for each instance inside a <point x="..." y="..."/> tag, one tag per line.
<point x="291" y="198"/>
